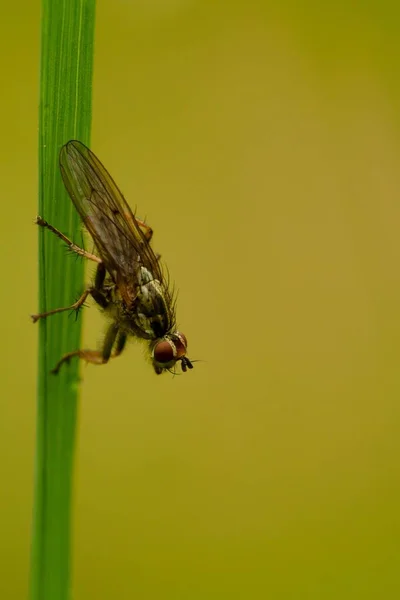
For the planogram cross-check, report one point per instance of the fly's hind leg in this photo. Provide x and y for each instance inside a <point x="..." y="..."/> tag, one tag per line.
<point x="145" y="229"/>
<point x="96" y="357"/>
<point x="96" y="291"/>
<point x="77" y="249"/>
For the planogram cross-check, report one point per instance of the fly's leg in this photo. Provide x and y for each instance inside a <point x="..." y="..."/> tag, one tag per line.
<point x="75" y="306"/>
<point x="148" y="233"/>
<point x="96" y="357"/>
<point x="42" y="223"/>
<point x="120" y="345"/>
<point x="145" y="229"/>
<point x="95" y="291"/>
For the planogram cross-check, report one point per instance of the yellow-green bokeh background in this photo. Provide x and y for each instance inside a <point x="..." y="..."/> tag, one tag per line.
<point x="262" y="142"/>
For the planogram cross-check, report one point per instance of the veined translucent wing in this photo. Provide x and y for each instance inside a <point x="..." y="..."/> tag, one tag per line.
<point x="107" y="216"/>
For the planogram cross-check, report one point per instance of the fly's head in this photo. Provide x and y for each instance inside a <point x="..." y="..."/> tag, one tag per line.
<point x="168" y="350"/>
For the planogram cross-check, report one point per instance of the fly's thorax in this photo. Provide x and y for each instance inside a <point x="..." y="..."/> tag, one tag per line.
<point x="145" y="276"/>
<point x="168" y="350"/>
<point x="151" y="315"/>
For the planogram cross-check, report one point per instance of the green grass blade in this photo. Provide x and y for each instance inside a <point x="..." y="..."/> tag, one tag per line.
<point x="65" y="113"/>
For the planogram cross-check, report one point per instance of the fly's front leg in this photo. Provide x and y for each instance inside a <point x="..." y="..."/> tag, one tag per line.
<point x="120" y="345"/>
<point x="95" y="291"/>
<point x="96" y="357"/>
<point x="77" y="249"/>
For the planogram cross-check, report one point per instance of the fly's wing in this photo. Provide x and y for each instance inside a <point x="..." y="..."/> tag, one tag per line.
<point x="108" y="218"/>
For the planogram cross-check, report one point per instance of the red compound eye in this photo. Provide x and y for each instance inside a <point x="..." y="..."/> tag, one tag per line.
<point x="163" y="352"/>
<point x="180" y="342"/>
<point x="182" y="337"/>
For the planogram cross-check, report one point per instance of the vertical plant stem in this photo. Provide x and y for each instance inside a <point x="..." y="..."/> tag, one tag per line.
<point x="65" y="113"/>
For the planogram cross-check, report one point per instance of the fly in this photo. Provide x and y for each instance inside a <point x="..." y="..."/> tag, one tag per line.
<point x="129" y="284"/>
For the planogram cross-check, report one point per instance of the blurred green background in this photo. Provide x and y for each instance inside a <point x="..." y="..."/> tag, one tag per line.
<point x="261" y="141"/>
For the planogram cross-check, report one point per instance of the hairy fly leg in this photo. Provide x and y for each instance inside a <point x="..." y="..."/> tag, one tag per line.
<point x="96" y="291"/>
<point x="96" y="357"/>
<point x="42" y="223"/>
<point x="146" y="229"/>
